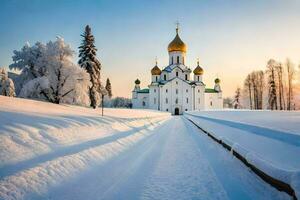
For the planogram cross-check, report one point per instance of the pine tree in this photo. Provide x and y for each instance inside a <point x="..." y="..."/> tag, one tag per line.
<point x="89" y="61"/>
<point x="108" y="88"/>
<point x="7" y="87"/>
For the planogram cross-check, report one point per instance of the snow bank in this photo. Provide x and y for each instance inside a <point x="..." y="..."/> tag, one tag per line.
<point x="43" y="144"/>
<point x="264" y="146"/>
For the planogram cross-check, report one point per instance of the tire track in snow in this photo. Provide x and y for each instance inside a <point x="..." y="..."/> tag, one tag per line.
<point x="182" y="172"/>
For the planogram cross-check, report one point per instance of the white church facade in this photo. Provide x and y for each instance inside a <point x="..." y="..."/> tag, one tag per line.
<point x="172" y="89"/>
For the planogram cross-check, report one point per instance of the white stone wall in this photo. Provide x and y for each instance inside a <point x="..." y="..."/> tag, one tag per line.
<point x="199" y="97"/>
<point x="138" y="102"/>
<point x="176" y="94"/>
<point x="154" y="99"/>
<point x="213" y="101"/>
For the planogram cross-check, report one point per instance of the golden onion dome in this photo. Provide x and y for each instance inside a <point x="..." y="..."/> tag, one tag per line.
<point x="177" y="44"/>
<point x="155" y="70"/>
<point x="217" y="80"/>
<point x="198" y="70"/>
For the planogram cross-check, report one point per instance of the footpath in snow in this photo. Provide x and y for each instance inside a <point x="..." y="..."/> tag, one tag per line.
<point x="268" y="140"/>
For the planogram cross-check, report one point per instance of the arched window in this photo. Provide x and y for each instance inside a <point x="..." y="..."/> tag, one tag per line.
<point x="156" y="78"/>
<point x="165" y="77"/>
<point x="166" y="100"/>
<point x="177" y="74"/>
<point x="177" y="59"/>
<point x="154" y="90"/>
<point x="198" y="78"/>
<point x="172" y="60"/>
<point x="187" y="90"/>
<point x="211" y="103"/>
<point x="166" y="90"/>
<point x="176" y="101"/>
<point x="186" y="77"/>
<point x="199" y="100"/>
<point x="176" y="91"/>
<point x="144" y="103"/>
<point x="154" y="100"/>
<point x="187" y="100"/>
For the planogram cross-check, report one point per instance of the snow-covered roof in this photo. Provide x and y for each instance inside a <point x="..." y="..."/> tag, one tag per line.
<point x="163" y="82"/>
<point x="182" y="67"/>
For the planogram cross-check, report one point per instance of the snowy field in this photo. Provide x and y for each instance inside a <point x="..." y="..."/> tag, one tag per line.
<point x="43" y="144"/>
<point x="67" y="152"/>
<point x="269" y="140"/>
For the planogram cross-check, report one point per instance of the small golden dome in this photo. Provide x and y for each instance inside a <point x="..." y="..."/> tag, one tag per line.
<point x="198" y="70"/>
<point x="177" y="44"/>
<point x="155" y="70"/>
<point x="137" y="81"/>
<point x="217" y="80"/>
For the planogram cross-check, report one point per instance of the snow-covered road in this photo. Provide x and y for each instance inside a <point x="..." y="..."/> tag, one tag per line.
<point x="177" y="161"/>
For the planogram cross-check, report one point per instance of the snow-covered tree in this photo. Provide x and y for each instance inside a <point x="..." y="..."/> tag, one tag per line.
<point x="290" y="77"/>
<point x="237" y="99"/>
<point x="108" y="88"/>
<point x="272" y="99"/>
<point x="119" y="102"/>
<point x="7" y="87"/>
<point x="89" y="62"/>
<point x="48" y="73"/>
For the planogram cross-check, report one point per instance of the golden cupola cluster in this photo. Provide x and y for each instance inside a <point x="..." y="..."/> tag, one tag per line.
<point x="198" y="70"/>
<point x="177" y="44"/>
<point x="155" y="70"/>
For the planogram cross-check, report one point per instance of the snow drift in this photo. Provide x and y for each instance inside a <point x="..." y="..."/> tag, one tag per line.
<point x="270" y="141"/>
<point x="43" y="144"/>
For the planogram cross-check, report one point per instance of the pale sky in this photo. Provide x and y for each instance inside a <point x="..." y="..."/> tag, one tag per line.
<point x="230" y="37"/>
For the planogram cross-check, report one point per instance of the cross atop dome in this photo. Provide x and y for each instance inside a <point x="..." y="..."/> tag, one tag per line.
<point x="177" y="44"/>
<point x="177" y="27"/>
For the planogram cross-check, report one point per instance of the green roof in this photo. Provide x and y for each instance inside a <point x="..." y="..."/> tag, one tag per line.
<point x="210" y="90"/>
<point x="143" y="91"/>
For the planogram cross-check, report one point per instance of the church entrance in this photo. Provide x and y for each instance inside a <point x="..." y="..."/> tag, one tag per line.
<point x="176" y="111"/>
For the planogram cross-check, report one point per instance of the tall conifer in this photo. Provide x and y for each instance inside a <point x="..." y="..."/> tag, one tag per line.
<point x="89" y="61"/>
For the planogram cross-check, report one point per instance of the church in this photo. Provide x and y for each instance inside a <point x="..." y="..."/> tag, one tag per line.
<point x="173" y="90"/>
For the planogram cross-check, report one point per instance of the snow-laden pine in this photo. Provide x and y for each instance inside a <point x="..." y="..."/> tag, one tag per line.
<point x="48" y="73"/>
<point x="89" y="62"/>
<point x="7" y="87"/>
